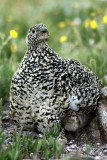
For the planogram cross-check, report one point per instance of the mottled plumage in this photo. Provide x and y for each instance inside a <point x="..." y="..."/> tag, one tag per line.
<point x="45" y="85"/>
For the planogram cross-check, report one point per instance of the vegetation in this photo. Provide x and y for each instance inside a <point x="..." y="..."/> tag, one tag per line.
<point x="78" y="30"/>
<point x="48" y="147"/>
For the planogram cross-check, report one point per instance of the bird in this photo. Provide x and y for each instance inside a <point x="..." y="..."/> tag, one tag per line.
<point x="46" y="85"/>
<point x="74" y="122"/>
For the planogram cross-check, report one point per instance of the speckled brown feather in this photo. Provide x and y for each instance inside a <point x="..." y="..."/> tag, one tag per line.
<point x="45" y="85"/>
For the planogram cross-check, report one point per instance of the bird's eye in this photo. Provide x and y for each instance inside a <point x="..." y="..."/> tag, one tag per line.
<point x="33" y="31"/>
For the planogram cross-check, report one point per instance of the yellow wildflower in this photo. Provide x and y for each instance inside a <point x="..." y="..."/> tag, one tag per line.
<point x="75" y="5"/>
<point x="93" y="24"/>
<point x="93" y="14"/>
<point x="62" y="39"/>
<point x="87" y="22"/>
<point x="13" y="48"/>
<point x="13" y="34"/>
<point x="105" y="19"/>
<point x="61" y="24"/>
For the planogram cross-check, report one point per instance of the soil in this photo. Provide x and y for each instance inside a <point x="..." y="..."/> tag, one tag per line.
<point x="85" y="145"/>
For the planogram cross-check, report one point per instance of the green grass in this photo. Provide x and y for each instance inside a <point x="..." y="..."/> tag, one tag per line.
<point x="22" y="146"/>
<point x="85" y="44"/>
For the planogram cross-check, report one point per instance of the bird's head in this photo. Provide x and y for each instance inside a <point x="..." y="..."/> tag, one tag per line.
<point x="37" y="34"/>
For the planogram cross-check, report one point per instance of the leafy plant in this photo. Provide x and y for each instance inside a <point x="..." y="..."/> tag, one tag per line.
<point x="22" y="146"/>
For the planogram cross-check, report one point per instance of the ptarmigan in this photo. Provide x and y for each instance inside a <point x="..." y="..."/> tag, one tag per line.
<point x="76" y="121"/>
<point x="45" y="85"/>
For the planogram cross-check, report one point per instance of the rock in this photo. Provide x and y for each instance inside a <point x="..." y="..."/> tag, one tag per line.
<point x="102" y="115"/>
<point x="11" y="131"/>
<point x="63" y="139"/>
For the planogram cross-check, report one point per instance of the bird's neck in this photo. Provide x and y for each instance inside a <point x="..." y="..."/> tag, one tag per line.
<point x="42" y="50"/>
<point x="36" y="46"/>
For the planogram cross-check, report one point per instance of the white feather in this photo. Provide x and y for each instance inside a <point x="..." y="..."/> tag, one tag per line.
<point x="73" y="103"/>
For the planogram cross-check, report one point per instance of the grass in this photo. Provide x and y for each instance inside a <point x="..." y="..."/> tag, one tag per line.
<point x="84" y="42"/>
<point x="22" y="146"/>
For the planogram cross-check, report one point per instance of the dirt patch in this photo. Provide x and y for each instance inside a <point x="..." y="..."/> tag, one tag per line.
<point x="84" y="145"/>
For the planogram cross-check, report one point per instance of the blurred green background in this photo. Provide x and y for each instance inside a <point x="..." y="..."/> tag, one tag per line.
<point x="77" y="28"/>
